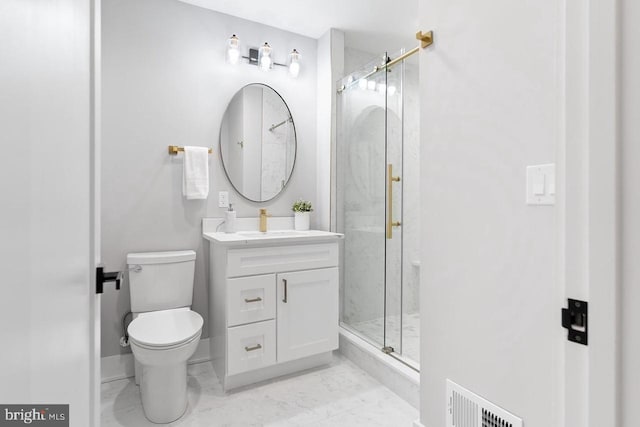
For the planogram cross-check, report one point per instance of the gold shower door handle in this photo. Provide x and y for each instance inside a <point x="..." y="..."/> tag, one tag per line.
<point x="390" y="222"/>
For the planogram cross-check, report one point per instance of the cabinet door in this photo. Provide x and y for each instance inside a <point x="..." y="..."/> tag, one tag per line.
<point x="307" y="316"/>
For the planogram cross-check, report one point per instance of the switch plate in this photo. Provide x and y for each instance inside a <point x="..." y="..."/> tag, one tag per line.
<point x="541" y="184"/>
<point x="223" y="199"/>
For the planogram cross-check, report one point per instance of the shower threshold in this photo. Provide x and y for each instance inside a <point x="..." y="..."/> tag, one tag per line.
<point x="395" y="373"/>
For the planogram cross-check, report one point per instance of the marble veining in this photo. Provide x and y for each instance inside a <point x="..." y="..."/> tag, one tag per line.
<point x="340" y="394"/>
<point x="408" y="325"/>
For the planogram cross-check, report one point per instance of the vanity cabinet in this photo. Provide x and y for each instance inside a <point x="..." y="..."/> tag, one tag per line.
<point x="273" y="309"/>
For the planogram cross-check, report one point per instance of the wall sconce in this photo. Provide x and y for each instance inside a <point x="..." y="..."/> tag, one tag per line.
<point x="262" y="57"/>
<point x="233" y="50"/>
<point x="294" y="63"/>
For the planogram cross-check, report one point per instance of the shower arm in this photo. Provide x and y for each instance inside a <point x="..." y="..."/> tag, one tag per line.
<point x="289" y="119"/>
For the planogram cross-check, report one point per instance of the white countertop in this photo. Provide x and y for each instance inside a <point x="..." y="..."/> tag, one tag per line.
<point x="280" y="230"/>
<point x="271" y="236"/>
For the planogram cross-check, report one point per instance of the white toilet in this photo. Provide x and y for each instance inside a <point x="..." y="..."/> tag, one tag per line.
<point x="164" y="332"/>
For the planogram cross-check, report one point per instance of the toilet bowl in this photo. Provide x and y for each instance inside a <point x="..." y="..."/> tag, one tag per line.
<point x="162" y="342"/>
<point x="164" y="332"/>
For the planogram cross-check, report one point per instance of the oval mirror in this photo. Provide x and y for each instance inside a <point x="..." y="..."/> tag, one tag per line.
<point x="258" y="143"/>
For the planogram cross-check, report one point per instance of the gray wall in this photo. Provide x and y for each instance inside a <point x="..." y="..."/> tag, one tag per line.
<point x="630" y="368"/>
<point x="165" y="82"/>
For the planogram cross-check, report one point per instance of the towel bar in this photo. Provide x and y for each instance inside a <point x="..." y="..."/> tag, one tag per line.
<point x="174" y="149"/>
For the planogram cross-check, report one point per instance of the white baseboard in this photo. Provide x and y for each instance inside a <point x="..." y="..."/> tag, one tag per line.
<point x="121" y="366"/>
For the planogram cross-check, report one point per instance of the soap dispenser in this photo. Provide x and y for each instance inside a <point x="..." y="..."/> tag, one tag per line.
<point x="230" y="220"/>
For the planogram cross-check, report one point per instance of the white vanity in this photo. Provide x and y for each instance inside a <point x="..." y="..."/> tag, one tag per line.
<point x="273" y="299"/>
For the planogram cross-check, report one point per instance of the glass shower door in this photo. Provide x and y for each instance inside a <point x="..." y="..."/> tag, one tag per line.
<point x="361" y="204"/>
<point x="371" y="282"/>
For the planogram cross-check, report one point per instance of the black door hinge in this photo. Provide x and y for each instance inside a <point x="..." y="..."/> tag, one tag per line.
<point x="102" y="278"/>
<point x="575" y="318"/>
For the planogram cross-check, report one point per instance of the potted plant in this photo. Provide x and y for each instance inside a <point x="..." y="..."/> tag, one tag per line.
<point x="301" y="209"/>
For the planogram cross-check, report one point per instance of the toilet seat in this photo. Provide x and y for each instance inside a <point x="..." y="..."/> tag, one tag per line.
<point x="165" y="329"/>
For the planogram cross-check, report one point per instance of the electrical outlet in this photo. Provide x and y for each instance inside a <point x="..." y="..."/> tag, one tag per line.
<point x="223" y="199"/>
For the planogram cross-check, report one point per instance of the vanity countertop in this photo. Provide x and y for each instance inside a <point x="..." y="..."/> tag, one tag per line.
<point x="272" y="236"/>
<point x="280" y="231"/>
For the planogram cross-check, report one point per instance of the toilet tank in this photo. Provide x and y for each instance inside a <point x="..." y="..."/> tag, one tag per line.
<point x="161" y="280"/>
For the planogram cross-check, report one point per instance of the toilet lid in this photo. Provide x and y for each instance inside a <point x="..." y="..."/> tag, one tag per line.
<point x="165" y="328"/>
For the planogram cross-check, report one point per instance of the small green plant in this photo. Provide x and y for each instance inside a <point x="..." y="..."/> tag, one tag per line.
<point x="302" y="206"/>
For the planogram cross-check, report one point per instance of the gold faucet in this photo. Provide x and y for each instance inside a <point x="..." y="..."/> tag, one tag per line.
<point x="263" y="220"/>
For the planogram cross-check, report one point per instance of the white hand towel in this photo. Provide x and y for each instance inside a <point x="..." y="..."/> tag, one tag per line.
<point x="195" y="179"/>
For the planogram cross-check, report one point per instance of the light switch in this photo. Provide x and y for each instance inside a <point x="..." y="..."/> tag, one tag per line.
<point x="541" y="184"/>
<point x="538" y="184"/>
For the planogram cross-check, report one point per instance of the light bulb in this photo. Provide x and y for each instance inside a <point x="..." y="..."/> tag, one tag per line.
<point x="233" y="51"/>
<point x="294" y="63"/>
<point x="391" y="90"/>
<point x="265" y="63"/>
<point x="362" y="84"/>
<point x="264" y="57"/>
<point x="294" y="69"/>
<point x="371" y="85"/>
<point x="234" y="56"/>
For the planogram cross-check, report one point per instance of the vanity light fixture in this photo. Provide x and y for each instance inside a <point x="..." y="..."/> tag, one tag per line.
<point x="264" y="57"/>
<point x="233" y="51"/>
<point x="294" y="63"/>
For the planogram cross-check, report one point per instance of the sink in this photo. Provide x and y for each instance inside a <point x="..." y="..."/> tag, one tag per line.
<point x="273" y="233"/>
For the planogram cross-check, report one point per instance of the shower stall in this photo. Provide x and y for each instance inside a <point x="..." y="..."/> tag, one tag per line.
<point x="378" y="205"/>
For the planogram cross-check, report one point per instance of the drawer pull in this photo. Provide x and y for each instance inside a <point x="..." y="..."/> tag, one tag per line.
<point x="256" y="299"/>
<point x="254" y="348"/>
<point x="285" y="290"/>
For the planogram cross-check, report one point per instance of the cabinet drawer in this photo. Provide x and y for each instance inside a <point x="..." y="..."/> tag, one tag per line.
<point x="250" y="261"/>
<point x="251" y="347"/>
<point x="251" y="299"/>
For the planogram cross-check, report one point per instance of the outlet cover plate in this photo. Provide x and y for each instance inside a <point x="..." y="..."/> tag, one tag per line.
<point x="223" y="199"/>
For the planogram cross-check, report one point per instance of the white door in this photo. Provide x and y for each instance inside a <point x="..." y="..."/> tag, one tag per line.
<point x="47" y="241"/>
<point x="507" y="86"/>
<point x="307" y="313"/>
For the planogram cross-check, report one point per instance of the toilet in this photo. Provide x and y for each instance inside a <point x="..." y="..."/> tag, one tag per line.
<point x="164" y="332"/>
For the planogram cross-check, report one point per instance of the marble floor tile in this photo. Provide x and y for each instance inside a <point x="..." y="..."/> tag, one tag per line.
<point x="373" y="330"/>
<point x="340" y="394"/>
